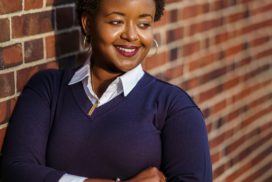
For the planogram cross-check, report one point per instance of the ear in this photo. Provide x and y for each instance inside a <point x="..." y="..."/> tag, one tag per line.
<point x="85" y="24"/>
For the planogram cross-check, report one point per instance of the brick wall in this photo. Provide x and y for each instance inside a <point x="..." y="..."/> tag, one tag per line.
<point x="220" y="51"/>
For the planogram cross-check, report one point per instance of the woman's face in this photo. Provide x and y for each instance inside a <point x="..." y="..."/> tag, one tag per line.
<point x="121" y="33"/>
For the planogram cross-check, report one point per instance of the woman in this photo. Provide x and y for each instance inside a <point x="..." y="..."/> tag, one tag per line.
<point x="108" y="120"/>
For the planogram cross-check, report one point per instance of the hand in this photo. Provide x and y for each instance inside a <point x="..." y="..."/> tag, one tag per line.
<point x="151" y="174"/>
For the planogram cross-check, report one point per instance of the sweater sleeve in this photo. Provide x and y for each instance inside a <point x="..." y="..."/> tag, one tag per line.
<point x="24" y="152"/>
<point x="185" y="145"/>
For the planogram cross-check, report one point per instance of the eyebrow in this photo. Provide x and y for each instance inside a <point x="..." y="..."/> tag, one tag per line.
<point x="122" y="14"/>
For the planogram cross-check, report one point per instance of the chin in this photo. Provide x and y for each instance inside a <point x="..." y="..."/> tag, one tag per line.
<point x="125" y="67"/>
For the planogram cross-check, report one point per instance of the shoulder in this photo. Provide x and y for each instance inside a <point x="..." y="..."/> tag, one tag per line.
<point x="47" y="82"/>
<point x="49" y="77"/>
<point x="173" y="95"/>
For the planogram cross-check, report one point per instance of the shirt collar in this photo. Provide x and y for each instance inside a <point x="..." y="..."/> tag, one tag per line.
<point x="81" y="73"/>
<point x="128" y="79"/>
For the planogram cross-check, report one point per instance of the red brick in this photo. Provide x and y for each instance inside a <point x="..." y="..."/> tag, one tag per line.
<point x="11" y="55"/>
<point x="221" y="4"/>
<point x="264" y="53"/>
<point x="2" y="136"/>
<point x="7" y="84"/>
<point x="243" y="62"/>
<point x="259" y="101"/>
<point x="216" y="157"/>
<point x="214" y="74"/>
<point x="174" y="15"/>
<point x="4" y="107"/>
<point x="174" y="35"/>
<point x="255" y="26"/>
<point x="50" y="65"/>
<point x="246" y="151"/>
<point x="259" y="41"/>
<point x="230" y="148"/>
<point x="236" y="17"/>
<point x="24" y="75"/>
<point x="262" y="9"/>
<point x="239" y="172"/>
<point x="12" y="105"/>
<point x="207" y="43"/>
<point x="266" y="168"/>
<point x="256" y="72"/>
<point x="32" y="24"/>
<point x="205" y="25"/>
<point x="190" y="48"/>
<point x="208" y="94"/>
<point x="218" y="106"/>
<point x="65" y="17"/>
<point x="208" y="126"/>
<point x="173" y="73"/>
<point x="7" y="6"/>
<point x="248" y="90"/>
<point x="219" y="170"/>
<point x="33" y="50"/>
<point x="58" y="2"/>
<point x="234" y="50"/>
<point x="254" y="161"/>
<point x="219" y="139"/>
<point x="254" y="118"/>
<point x="155" y="61"/>
<point x="245" y="1"/>
<point x="174" y="54"/>
<point x="194" y="10"/>
<point x="33" y="4"/>
<point x="225" y="36"/>
<point x="172" y="1"/>
<point x="231" y="83"/>
<point x="191" y="83"/>
<point x="5" y="30"/>
<point x="222" y="37"/>
<point x="50" y="46"/>
<point x="61" y="44"/>
<point x="201" y="62"/>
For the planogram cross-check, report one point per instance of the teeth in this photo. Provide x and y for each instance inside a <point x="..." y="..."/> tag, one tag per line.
<point x="126" y="50"/>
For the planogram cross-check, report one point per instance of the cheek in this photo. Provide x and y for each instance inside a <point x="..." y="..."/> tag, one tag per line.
<point x="110" y="35"/>
<point x="147" y="38"/>
<point x="106" y="34"/>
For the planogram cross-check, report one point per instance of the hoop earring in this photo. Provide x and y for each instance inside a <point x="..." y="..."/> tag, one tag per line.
<point x="87" y="45"/>
<point x="84" y="41"/>
<point x="156" y="46"/>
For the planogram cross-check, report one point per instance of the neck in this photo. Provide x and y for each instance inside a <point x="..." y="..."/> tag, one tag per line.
<point x="101" y="79"/>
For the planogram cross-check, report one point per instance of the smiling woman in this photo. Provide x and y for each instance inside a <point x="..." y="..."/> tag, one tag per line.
<point x="107" y="120"/>
<point x="120" y="36"/>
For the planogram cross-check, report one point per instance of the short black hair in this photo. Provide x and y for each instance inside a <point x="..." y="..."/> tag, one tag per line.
<point x="90" y="6"/>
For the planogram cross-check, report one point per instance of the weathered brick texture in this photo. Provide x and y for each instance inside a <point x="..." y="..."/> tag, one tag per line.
<point x="5" y="30"/>
<point x="220" y="51"/>
<point x="32" y="24"/>
<point x="7" y="7"/>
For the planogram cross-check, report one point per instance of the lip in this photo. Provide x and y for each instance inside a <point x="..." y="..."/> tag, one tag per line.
<point x="127" y="50"/>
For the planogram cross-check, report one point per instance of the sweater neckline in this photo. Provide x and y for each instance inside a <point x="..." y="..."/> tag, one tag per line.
<point x="85" y="104"/>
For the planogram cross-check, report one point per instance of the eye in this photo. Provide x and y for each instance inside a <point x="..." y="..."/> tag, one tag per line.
<point x="144" y="25"/>
<point x="116" y="22"/>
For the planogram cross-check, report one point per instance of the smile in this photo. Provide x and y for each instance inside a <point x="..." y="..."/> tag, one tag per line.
<point x="127" y="51"/>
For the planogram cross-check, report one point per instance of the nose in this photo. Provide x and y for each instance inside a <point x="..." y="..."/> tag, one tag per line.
<point x="129" y="33"/>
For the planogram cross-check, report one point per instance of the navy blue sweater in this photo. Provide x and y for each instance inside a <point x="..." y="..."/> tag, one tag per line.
<point x="157" y="124"/>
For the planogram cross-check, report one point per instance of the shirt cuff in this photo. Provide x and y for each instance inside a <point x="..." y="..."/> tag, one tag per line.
<point x="72" y="178"/>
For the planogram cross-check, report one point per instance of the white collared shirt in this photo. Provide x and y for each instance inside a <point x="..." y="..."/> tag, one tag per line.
<point x="122" y="84"/>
